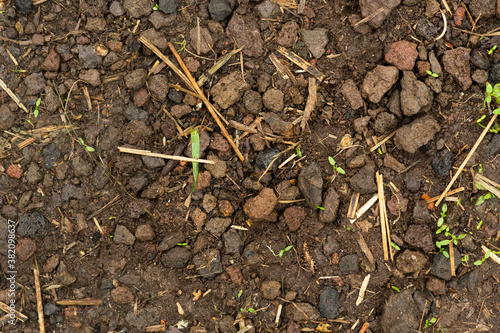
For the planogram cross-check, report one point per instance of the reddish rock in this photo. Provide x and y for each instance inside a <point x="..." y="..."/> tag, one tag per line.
<point x="261" y="207"/>
<point x="51" y="264"/>
<point x="226" y="208"/>
<point x="352" y="95"/>
<point x="423" y="67"/>
<point x="235" y="274"/>
<point x="25" y="248"/>
<point x="293" y="217"/>
<point x="436" y="286"/>
<point x="420" y="236"/>
<point x="219" y="143"/>
<point x="397" y="204"/>
<point x="199" y="218"/>
<point x="402" y="54"/>
<point x="114" y="45"/>
<point x="122" y="295"/>
<point x="141" y="97"/>
<point x="192" y="64"/>
<point x="180" y="110"/>
<point x="459" y="16"/>
<point x="14" y="171"/>
<point x="52" y="62"/>
<point x="37" y="39"/>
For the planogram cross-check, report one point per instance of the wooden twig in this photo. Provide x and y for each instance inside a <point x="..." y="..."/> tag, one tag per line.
<point x="166" y="60"/>
<point x="106" y="206"/>
<point x="311" y="102"/>
<point x="366" y="250"/>
<point x="242" y="127"/>
<point x="362" y="290"/>
<point x="301" y="63"/>
<point x="488" y="184"/>
<point x="469" y="155"/>
<point x="83" y="301"/>
<point x="13" y="96"/>
<point x="98" y="226"/>
<point x="209" y="106"/>
<point x="18" y="314"/>
<point x="372" y="149"/>
<point x="282" y="69"/>
<point x="353" y="205"/>
<point x="156" y="328"/>
<point x="39" y="304"/>
<point x="384" y="223"/>
<point x="168" y="157"/>
<point x="450" y="193"/>
<point x="364" y="327"/>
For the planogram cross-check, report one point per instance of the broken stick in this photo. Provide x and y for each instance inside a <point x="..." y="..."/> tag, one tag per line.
<point x="168" y="157"/>
<point x="311" y="102"/>
<point x="39" y="305"/>
<point x="13" y="96"/>
<point x="209" y="105"/>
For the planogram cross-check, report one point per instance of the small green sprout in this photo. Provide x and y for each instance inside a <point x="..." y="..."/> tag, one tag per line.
<point x="396" y="288"/>
<point x="491" y="91"/>
<point x="480" y="170"/>
<point x="282" y="252"/>
<point x="459" y="201"/>
<point x="479" y="225"/>
<point x="19" y="70"/>
<point x="394" y="245"/>
<point x="490" y="51"/>
<point x="347" y="228"/>
<point x="249" y="310"/>
<point x="444" y="208"/>
<point x="183" y="44"/>
<point x="493" y="129"/>
<point x="483" y="198"/>
<point x="240" y="293"/>
<point x="87" y="148"/>
<point x="430" y="322"/>
<point x="37" y="104"/>
<point x="195" y="152"/>
<point x="486" y="256"/>
<point x="320" y="208"/>
<point x="182" y="244"/>
<point x="379" y="151"/>
<point x="155" y="7"/>
<point x="336" y="168"/>
<point x="111" y="218"/>
<point x="465" y="259"/>
<point x="431" y="73"/>
<point x="298" y="152"/>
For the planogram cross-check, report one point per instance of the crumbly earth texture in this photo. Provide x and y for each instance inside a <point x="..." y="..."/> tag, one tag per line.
<point x="262" y="244"/>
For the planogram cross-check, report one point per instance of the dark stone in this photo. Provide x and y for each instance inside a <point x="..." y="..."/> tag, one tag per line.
<point x="493" y="147"/>
<point x="176" y="257"/>
<point x="426" y="29"/>
<point x="495" y="74"/>
<point x="441" y="265"/>
<point x="349" y="264"/>
<point x="220" y="10"/>
<point x="175" y="96"/>
<point x="329" y="303"/>
<point x="24" y="6"/>
<point x="310" y="183"/>
<point x="442" y="162"/>
<point x="265" y="158"/>
<point x="49" y="309"/>
<point x="168" y="6"/>
<point x="32" y="225"/>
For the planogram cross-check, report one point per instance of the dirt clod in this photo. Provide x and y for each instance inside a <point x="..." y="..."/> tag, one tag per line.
<point x="416" y="134"/>
<point x="261" y="207"/>
<point x="329" y="303"/>
<point x="402" y="54"/>
<point x="394" y="320"/>
<point x="310" y="183"/>
<point x="378" y="82"/>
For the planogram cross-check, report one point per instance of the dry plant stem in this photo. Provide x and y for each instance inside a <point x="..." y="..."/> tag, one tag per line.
<point x="212" y="70"/>
<point x="179" y="88"/>
<point x="156" y="328"/>
<point x="98" y="226"/>
<point x="18" y="314"/>
<point x="311" y="102"/>
<point x="209" y="106"/>
<point x="488" y="184"/>
<point x="302" y="63"/>
<point x="383" y="217"/>
<point x="452" y="259"/>
<point x="83" y="301"/>
<point x="242" y="127"/>
<point x="13" y="96"/>
<point x="366" y="250"/>
<point x="444" y="28"/>
<point x="167" y="61"/>
<point x="168" y="157"/>
<point x="282" y="68"/>
<point x="450" y="193"/>
<point x="493" y="256"/>
<point x="365" y="208"/>
<point x="39" y="305"/>
<point x="353" y="205"/>
<point x="109" y="204"/>
<point x="372" y="149"/>
<point x="362" y="290"/>
<point x="369" y="17"/>
<point x="445" y="4"/>
<point x="364" y="327"/>
<point x="472" y="151"/>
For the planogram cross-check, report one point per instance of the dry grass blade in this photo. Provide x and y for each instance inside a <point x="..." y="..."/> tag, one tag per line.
<point x="282" y="69"/>
<point x="362" y="290"/>
<point x="384" y="223"/>
<point x="311" y="102"/>
<point x="83" y="301"/>
<point x="39" y="305"/>
<point x="488" y="184"/>
<point x="242" y="127"/>
<point x="209" y="106"/>
<point x="369" y="17"/>
<point x="452" y="258"/>
<point x="372" y="149"/>
<point x="165" y="59"/>
<point x="286" y="3"/>
<point x="353" y="205"/>
<point x="212" y="70"/>
<point x="365" y="208"/>
<point x="13" y="96"/>
<point x="18" y="314"/>
<point x="168" y="157"/>
<point x="302" y="63"/>
<point x="493" y="256"/>
<point x="450" y="193"/>
<point x="467" y="158"/>
<point x="366" y="250"/>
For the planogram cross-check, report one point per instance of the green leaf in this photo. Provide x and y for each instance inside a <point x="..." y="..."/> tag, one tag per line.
<point x="288" y="248"/>
<point x="462" y="236"/>
<point x="444" y="209"/>
<point x="446" y="254"/>
<point x="478" y="263"/>
<point x="440" y="221"/>
<point x="489" y="88"/>
<point x="88" y="148"/>
<point x="340" y="170"/>
<point x="195" y="152"/>
<point x="487" y="196"/>
<point x="480" y="200"/>
<point x="395" y="246"/>
<point x="240" y="293"/>
<point x="443" y="243"/>
<point x="320" y="208"/>
<point x="280" y="254"/>
<point x="251" y="310"/>
<point x="38" y="101"/>
<point x="396" y="288"/>
<point x="487" y="254"/>
<point x="155" y="7"/>
<point x="35" y="113"/>
<point x="298" y="151"/>
<point x="331" y="160"/>
<point x="81" y="141"/>
<point x="496" y="111"/>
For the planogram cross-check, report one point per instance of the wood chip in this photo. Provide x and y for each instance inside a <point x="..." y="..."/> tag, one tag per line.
<point x="365" y="249"/>
<point x="353" y="205"/>
<point x="362" y="290"/>
<point x="302" y="63"/>
<point x="311" y="102"/>
<point x="39" y="304"/>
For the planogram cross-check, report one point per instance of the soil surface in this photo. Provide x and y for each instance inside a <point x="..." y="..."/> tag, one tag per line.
<point x="264" y="242"/>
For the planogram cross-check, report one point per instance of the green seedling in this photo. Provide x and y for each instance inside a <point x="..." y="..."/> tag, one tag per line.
<point x="491" y="91"/>
<point x="486" y="256"/>
<point x="430" y="322"/>
<point x="431" y="73"/>
<point x="282" y="252"/>
<point x="19" y="70"/>
<point x="444" y="209"/>
<point x="347" y="228"/>
<point x="182" y="44"/>
<point x="490" y="51"/>
<point x="87" y="148"/>
<point x="111" y="218"/>
<point x="379" y="151"/>
<point x="396" y="288"/>
<point x="443" y="227"/>
<point x="480" y="170"/>
<point x="483" y="198"/>
<point x="479" y="225"/>
<point x="336" y="168"/>
<point x="320" y="208"/>
<point x="394" y="245"/>
<point x="240" y="293"/>
<point x="249" y="310"/>
<point x="155" y="7"/>
<point x="459" y="201"/>
<point x="195" y="152"/>
<point x="182" y="244"/>
<point x="37" y="104"/>
<point x="465" y="259"/>
<point x="493" y="129"/>
<point x="298" y="152"/>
